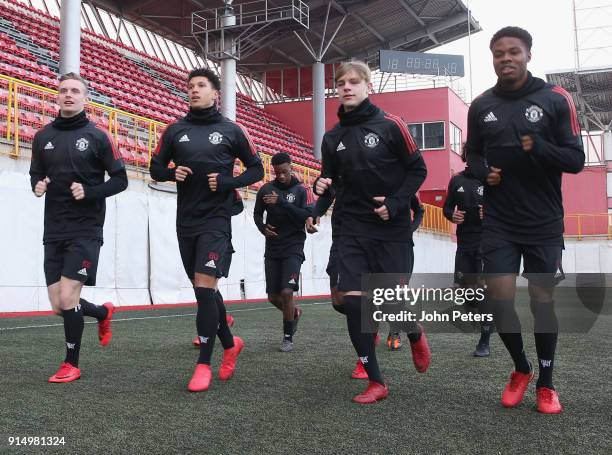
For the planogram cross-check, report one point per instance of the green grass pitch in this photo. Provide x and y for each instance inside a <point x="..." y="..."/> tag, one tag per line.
<point x="132" y="396"/>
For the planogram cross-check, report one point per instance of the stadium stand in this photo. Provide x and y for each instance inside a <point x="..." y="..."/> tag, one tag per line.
<point x="121" y="78"/>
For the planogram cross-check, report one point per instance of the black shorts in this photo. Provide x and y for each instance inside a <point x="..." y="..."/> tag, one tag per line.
<point x="205" y="254"/>
<point x="76" y="259"/>
<point x="332" y="263"/>
<point x="283" y="273"/>
<point x="359" y="255"/>
<point x="468" y="266"/>
<point x="226" y="260"/>
<point x="541" y="263"/>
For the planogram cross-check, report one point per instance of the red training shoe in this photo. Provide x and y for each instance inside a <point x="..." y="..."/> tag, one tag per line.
<point x="421" y="355"/>
<point x="201" y="379"/>
<point x="515" y="389"/>
<point x="228" y="362"/>
<point x="66" y="373"/>
<point x="548" y="401"/>
<point x="359" y="372"/>
<point x="372" y="394"/>
<point x="105" y="334"/>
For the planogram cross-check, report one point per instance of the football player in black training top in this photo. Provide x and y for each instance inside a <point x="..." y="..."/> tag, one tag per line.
<point x="380" y="169"/>
<point x="286" y="203"/>
<point x="463" y="206"/>
<point x="203" y="146"/>
<point x="522" y="135"/>
<point x="70" y="157"/>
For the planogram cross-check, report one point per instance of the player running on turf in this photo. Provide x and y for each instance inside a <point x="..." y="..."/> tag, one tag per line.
<point x="70" y="157"/>
<point x="204" y="146"/>
<point x="380" y="169"/>
<point x="463" y="206"/>
<point x="287" y="206"/>
<point x="522" y="135"/>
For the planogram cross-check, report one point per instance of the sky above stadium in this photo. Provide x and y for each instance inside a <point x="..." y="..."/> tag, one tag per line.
<point x="550" y="22"/>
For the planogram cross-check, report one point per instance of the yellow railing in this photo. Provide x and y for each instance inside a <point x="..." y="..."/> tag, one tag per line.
<point x="434" y="220"/>
<point x="29" y="106"/>
<point x="581" y="225"/>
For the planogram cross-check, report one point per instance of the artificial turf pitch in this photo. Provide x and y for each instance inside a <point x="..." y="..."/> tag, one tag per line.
<point x="132" y="395"/>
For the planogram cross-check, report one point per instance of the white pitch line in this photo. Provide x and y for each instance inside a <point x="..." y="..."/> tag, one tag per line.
<point x="152" y="317"/>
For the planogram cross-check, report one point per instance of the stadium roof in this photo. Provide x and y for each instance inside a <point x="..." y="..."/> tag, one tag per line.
<point x="363" y="28"/>
<point x="591" y="90"/>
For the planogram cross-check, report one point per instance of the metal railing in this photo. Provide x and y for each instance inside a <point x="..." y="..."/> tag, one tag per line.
<point x="588" y="225"/>
<point x="26" y="107"/>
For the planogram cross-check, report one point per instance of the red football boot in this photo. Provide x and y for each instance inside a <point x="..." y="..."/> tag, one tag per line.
<point x="421" y="355"/>
<point x="372" y="394"/>
<point x="66" y="373"/>
<point x="548" y="401"/>
<point x="359" y="372"/>
<point x="105" y="334"/>
<point x="201" y="379"/>
<point x="228" y="362"/>
<point x="515" y="389"/>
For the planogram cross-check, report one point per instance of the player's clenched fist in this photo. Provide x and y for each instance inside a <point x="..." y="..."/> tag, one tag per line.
<point x="494" y="177"/>
<point x="78" y="192"/>
<point x="212" y="181"/>
<point x="181" y="173"/>
<point x="41" y="187"/>
<point x="322" y="185"/>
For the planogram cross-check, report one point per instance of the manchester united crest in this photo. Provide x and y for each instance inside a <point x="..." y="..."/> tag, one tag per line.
<point x="215" y="138"/>
<point x="534" y="113"/>
<point x="371" y="140"/>
<point x="82" y="144"/>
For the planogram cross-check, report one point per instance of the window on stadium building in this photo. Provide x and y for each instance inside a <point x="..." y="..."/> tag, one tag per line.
<point x="429" y="135"/>
<point x="455" y="138"/>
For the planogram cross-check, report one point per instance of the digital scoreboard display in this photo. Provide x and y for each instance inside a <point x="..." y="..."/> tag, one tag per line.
<point x="421" y="63"/>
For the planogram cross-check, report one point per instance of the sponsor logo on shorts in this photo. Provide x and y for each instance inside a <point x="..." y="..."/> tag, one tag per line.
<point x="82" y="144"/>
<point x="211" y="264"/>
<point x="292" y="281"/>
<point x="213" y="256"/>
<point x="83" y="272"/>
<point x="86" y="264"/>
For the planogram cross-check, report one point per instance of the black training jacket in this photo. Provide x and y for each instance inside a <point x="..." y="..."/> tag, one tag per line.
<point x="373" y="154"/>
<point x="465" y="192"/>
<point x="288" y="216"/>
<point x="206" y="143"/>
<point x="527" y="205"/>
<point x="74" y="150"/>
